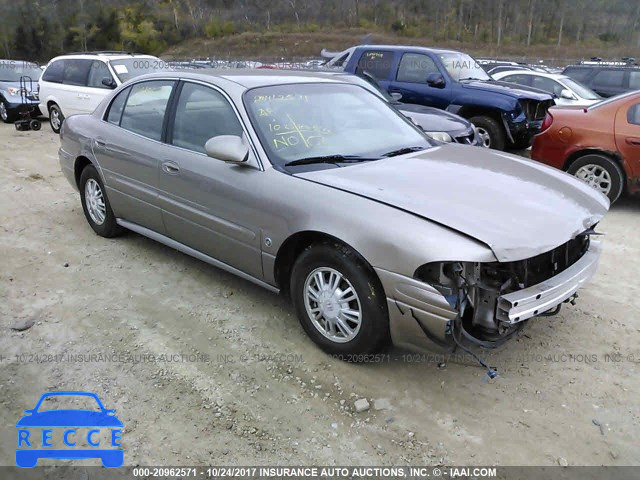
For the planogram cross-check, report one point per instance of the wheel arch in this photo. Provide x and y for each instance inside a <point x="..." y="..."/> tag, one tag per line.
<point x="476" y="111"/>
<point x="294" y="245"/>
<point x="78" y="166"/>
<point x="615" y="156"/>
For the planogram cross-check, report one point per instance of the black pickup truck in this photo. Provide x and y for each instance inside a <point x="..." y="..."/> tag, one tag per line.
<point x="505" y="114"/>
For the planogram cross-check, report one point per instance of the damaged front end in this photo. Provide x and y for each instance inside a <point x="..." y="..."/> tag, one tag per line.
<point x="494" y="300"/>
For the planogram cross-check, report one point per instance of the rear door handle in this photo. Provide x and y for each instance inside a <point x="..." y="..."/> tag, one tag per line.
<point x="100" y="142"/>
<point x="632" y="140"/>
<point x="170" y="168"/>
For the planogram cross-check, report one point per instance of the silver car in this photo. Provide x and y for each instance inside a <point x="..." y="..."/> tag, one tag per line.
<point x="319" y="189"/>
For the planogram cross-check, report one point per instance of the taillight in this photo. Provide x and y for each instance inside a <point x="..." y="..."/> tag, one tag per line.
<point x="546" y="123"/>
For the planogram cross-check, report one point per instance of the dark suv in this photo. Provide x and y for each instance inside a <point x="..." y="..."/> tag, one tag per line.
<point x="505" y="114"/>
<point x="606" y="80"/>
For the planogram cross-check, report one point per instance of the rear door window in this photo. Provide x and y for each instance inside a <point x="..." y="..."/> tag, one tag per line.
<point x="76" y="72"/>
<point x="415" y="67"/>
<point x="117" y="106"/>
<point x="376" y="63"/>
<point x="609" y="78"/>
<point x="634" y="80"/>
<point x="54" y="72"/>
<point x="145" y="108"/>
<point x="633" y="114"/>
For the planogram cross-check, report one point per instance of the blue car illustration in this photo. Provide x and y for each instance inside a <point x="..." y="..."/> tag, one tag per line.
<point x="27" y="456"/>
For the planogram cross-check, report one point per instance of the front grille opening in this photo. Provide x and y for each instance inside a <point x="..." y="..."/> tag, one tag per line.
<point x="511" y="276"/>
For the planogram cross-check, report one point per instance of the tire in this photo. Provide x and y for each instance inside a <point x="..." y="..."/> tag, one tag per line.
<point x="98" y="214"/>
<point x="491" y="133"/>
<point x="592" y="166"/>
<point x="35" y="125"/>
<point x="6" y="115"/>
<point x="329" y="259"/>
<point x="55" y="118"/>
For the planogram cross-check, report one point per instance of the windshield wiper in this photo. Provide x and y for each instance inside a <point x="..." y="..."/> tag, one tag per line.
<point x="472" y="78"/>
<point x="329" y="159"/>
<point x="402" y="151"/>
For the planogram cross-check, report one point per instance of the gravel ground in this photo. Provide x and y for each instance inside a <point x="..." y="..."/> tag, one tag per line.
<point x="210" y="369"/>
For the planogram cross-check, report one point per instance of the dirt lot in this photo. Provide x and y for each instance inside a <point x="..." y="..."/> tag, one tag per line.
<point x="235" y="380"/>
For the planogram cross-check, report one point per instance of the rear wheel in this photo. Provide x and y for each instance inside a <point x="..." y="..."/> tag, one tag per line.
<point x="55" y="118"/>
<point x="601" y="172"/>
<point x="490" y="132"/>
<point x="339" y="301"/>
<point x="95" y="204"/>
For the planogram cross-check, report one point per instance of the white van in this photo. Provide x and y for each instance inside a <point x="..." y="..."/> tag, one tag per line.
<point x="77" y="82"/>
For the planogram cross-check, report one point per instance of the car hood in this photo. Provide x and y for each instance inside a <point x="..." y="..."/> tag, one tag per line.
<point x="69" y="418"/>
<point x="517" y="207"/>
<point x="433" y="119"/>
<point x="506" y="88"/>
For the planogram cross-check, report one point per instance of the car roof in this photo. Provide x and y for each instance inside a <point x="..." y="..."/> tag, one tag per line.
<point x="251" y="78"/>
<point x="408" y="48"/>
<point x="101" y="56"/>
<point x="602" y="67"/>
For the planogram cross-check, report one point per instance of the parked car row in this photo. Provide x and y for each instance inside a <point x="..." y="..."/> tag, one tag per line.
<point x="505" y="115"/>
<point x="446" y="93"/>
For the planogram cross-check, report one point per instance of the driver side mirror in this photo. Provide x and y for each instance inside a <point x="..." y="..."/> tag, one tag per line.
<point x="109" y="82"/>
<point x="228" y="148"/>
<point x="435" y="80"/>
<point x="565" y="93"/>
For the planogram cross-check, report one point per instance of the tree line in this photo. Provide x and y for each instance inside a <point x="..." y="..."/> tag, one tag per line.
<point x="39" y="30"/>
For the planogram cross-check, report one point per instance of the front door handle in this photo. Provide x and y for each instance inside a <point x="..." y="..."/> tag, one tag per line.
<point x="170" y="168"/>
<point x="632" y="140"/>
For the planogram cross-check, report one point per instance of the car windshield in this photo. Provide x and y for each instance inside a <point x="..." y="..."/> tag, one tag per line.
<point x="11" y="71"/>
<point x="462" y="67"/>
<point x="129" y="68"/>
<point x="335" y="122"/>
<point x="581" y="90"/>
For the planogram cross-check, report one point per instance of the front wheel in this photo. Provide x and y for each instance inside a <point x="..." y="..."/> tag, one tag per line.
<point x="339" y="301"/>
<point x="5" y="114"/>
<point x="490" y="132"/>
<point x="55" y="118"/>
<point x="600" y="172"/>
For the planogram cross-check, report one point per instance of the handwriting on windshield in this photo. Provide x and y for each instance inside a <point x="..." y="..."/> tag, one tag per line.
<point x="294" y="133"/>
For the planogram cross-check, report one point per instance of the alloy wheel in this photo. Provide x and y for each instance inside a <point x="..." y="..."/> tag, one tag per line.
<point x="595" y="176"/>
<point x="332" y="304"/>
<point x="94" y="200"/>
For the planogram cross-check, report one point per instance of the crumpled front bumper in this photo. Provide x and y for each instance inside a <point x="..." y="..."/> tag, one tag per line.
<point x="523" y="304"/>
<point x="421" y="319"/>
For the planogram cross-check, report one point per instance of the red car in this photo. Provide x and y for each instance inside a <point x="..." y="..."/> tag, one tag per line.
<point x="599" y="144"/>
